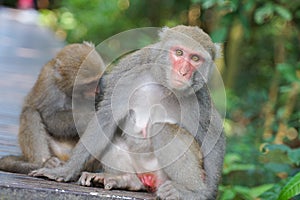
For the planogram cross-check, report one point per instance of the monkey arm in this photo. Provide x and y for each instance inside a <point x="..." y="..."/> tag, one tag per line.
<point x="61" y="124"/>
<point x="213" y="148"/>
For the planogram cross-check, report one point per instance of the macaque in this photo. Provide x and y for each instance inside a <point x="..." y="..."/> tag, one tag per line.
<point x="47" y="132"/>
<point x="160" y="157"/>
<point x="180" y="63"/>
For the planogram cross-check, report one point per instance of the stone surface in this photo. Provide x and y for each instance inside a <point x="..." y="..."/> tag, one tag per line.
<point x="18" y="186"/>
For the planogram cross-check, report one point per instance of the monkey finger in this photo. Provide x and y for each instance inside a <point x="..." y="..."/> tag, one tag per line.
<point x="37" y="173"/>
<point x="86" y="178"/>
<point x="99" y="178"/>
<point x="43" y="172"/>
<point x="60" y="179"/>
<point x="110" y="184"/>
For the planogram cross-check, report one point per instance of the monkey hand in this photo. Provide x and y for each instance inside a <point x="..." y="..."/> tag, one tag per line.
<point x="59" y="174"/>
<point x="99" y="179"/>
<point x="167" y="191"/>
<point x="111" y="181"/>
<point x="91" y="179"/>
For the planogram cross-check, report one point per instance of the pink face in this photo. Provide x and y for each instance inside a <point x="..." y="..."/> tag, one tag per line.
<point x="184" y="63"/>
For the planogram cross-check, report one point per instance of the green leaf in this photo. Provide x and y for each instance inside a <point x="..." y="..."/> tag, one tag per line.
<point x="219" y="34"/>
<point x="288" y="71"/>
<point x="294" y="156"/>
<point x="238" y="167"/>
<point x="283" y="12"/>
<point x="232" y="163"/>
<point x="196" y="1"/>
<point x="228" y="194"/>
<point x="291" y="189"/>
<point x="273" y="147"/>
<point x="277" y="167"/>
<point x="273" y="192"/>
<point x="249" y="5"/>
<point x="263" y="12"/>
<point x="208" y="3"/>
<point x="257" y="191"/>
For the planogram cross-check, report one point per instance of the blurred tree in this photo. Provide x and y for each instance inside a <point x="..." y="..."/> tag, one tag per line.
<point x="99" y="19"/>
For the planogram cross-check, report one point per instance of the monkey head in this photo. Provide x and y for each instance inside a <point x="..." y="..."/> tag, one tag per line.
<point x="78" y="64"/>
<point x="191" y="53"/>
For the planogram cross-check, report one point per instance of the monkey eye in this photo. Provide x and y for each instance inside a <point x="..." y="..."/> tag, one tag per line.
<point x="195" y="58"/>
<point x="179" y="52"/>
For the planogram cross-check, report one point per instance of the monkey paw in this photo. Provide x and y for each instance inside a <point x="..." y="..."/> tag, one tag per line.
<point x="59" y="174"/>
<point x="87" y="178"/>
<point x="109" y="181"/>
<point x="167" y="191"/>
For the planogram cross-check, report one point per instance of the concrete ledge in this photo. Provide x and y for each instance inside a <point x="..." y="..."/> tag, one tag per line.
<point x="18" y="186"/>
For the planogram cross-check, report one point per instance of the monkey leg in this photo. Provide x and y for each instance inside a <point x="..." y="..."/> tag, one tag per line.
<point x="33" y="140"/>
<point x="112" y="181"/>
<point x="33" y="137"/>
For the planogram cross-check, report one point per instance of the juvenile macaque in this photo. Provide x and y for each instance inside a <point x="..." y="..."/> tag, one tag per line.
<point x="180" y="62"/>
<point x="160" y="157"/>
<point x="179" y="180"/>
<point x="47" y="132"/>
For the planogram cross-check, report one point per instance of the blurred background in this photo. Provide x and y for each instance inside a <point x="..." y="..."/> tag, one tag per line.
<point x="260" y="68"/>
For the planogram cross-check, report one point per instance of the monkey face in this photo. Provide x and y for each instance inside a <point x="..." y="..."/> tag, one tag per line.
<point x="184" y="63"/>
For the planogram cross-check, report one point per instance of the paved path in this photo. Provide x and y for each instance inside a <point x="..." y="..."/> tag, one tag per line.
<point x="24" y="48"/>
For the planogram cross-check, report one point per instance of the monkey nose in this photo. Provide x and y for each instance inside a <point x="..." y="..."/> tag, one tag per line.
<point x="184" y="70"/>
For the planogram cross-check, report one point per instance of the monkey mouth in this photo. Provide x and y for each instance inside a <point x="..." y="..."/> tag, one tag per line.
<point x="178" y="82"/>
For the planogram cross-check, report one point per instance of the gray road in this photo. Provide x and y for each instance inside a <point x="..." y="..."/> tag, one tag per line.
<point x="25" y="47"/>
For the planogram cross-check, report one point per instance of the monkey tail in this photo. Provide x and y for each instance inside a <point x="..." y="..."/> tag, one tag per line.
<point x="17" y="164"/>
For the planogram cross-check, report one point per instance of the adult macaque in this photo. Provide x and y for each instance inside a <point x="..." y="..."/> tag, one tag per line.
<point x="181" y="62"/>
<point x="47" y="132"/>
<point x="150" y="157"/>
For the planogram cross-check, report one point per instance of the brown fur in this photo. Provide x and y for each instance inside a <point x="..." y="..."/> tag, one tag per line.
<point x="47" y="133"/>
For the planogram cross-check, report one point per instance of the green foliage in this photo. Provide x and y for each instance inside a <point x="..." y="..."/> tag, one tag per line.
<point x="292" y="154"/>
<point x="99" y="19"/>
<point x="272" y="193"/>
<point x="291" y="189"/>
<point x="288" y="72"/>
<point x="233" y="163"/>
<point x="240" y="192"/>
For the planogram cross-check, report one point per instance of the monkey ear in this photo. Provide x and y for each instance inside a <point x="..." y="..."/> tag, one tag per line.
<point x="56" y="69"/>
<point x="163" y="32"/>
<point x="219" y="50"/>
<point x="90" y="44"/>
